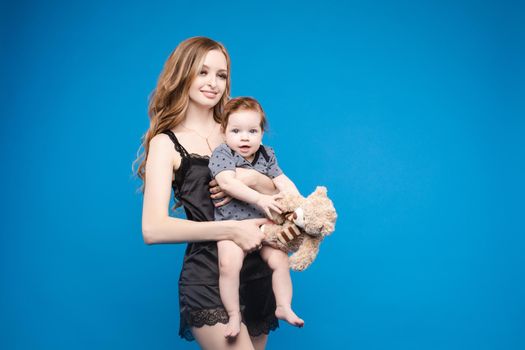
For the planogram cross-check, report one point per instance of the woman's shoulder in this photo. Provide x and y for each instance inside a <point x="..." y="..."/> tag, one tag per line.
<point x="162" y="147"/>
<point x="161" y="141"/>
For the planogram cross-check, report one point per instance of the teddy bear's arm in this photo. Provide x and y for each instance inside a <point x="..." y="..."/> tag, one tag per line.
<point x="306" y="253"/>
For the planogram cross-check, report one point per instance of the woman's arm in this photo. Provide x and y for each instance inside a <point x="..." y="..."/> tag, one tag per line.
<point x="159" y="227"/>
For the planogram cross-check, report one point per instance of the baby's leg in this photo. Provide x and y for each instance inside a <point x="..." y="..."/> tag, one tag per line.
<point x="231" y="257"/>
<point x="282" y="284"/>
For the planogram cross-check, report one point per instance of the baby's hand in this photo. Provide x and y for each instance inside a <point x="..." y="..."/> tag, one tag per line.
<point x="269" y="202"/>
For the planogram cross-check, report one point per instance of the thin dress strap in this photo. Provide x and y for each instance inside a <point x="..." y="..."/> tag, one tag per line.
<point x="178" y="147"/>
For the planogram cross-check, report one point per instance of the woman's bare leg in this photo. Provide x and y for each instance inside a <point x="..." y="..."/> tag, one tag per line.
<point x="282" y="285"/>
<point x="231" y="257"/>
<point x="212" y="338"/>
<point x="259" y="342"/>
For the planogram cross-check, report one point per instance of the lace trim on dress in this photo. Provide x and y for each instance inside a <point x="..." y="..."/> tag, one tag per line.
<point x="181" y="172"/>
<point x="210" y="317"/>
<point x="178" y="147"/>
<point x="198" y="156"/>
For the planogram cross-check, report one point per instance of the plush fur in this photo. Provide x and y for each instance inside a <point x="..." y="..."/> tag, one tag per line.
<point x="302" y="226"/>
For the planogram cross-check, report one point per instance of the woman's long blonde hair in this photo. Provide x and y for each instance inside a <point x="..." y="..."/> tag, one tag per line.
<point x="169" y="101"/>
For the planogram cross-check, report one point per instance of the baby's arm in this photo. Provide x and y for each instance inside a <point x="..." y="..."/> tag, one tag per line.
<point x="234" y="187"/>
<point x="281" y="181"/>
<point x="256" y="180"/>
<point x="284" y="184"/>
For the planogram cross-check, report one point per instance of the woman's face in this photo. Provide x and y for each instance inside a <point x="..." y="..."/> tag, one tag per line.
<point x="208" y="87"/>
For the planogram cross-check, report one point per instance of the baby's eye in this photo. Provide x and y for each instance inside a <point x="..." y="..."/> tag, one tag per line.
<point x="235" y="131"/>
<point x="254" y="131"/>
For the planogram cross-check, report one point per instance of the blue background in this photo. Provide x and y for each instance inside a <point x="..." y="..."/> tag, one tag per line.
<point x="410" y="112"/>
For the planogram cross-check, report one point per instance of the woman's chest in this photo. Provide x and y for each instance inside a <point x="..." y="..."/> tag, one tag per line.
<point x="199" y="145"/>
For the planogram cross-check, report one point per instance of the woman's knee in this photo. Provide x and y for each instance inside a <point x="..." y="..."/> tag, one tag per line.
<point x="212" y="338"/>
<point x="259" y="342"/>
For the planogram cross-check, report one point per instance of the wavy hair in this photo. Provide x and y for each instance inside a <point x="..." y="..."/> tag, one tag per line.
<point x="169" y="101"/>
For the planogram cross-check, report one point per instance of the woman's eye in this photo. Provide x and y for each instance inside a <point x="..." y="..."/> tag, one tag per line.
<point x="203" y="72"/>
<point x="222" y="76"/>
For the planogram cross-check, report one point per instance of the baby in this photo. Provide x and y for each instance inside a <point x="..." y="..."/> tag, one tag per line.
<point x="243" y="125"/>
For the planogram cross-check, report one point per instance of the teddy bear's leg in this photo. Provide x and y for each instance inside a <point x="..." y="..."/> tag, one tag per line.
<point x="306" y="253"/>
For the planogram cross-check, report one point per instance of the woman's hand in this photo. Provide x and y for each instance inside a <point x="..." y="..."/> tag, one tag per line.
<point x="218" y="193"/>
<point x="247" y="234"/>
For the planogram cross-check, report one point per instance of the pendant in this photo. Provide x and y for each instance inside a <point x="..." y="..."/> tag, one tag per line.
<point x="208" y="143"/>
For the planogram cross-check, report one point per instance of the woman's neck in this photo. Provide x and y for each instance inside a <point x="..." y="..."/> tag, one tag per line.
<point x="198" y="117"/>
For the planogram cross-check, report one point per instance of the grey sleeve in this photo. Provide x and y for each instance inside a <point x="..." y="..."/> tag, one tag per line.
<point x="273" y="168"/>
<point x="221" y="159"/>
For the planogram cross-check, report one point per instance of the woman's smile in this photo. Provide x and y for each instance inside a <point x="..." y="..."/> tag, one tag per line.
<point x="209" y="94"/>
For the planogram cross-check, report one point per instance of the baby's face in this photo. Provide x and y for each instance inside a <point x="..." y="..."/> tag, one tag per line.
<point x="243" y="133"/>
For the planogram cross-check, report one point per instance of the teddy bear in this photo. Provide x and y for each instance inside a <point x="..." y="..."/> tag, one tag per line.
<point x="302" y="226"/>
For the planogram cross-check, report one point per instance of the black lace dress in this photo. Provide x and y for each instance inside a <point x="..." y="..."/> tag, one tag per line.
<point x="199" y="298"/>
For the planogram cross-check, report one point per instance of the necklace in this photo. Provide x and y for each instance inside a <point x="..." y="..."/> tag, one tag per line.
<point x="202" y="137"/>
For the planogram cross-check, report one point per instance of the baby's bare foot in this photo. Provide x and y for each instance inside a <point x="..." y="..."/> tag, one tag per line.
<point x="234" y="326"/>
<point x="286" y="313"/>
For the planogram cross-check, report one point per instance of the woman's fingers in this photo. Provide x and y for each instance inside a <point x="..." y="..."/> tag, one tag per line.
<point x="260" y="221"/>
<point x="226" y="200"/>
<point x="218" y="195"/>
<point x="257" y="235"/>
<point x="216" y="191"/>
<point x="251" y="237"/>
<point x="214" y="187"/>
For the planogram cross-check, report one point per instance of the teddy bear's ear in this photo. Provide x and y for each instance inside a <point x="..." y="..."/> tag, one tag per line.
<point x="321" y="190"/>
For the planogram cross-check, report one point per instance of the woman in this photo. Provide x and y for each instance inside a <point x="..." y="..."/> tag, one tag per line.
<point x="184" y="129"/>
